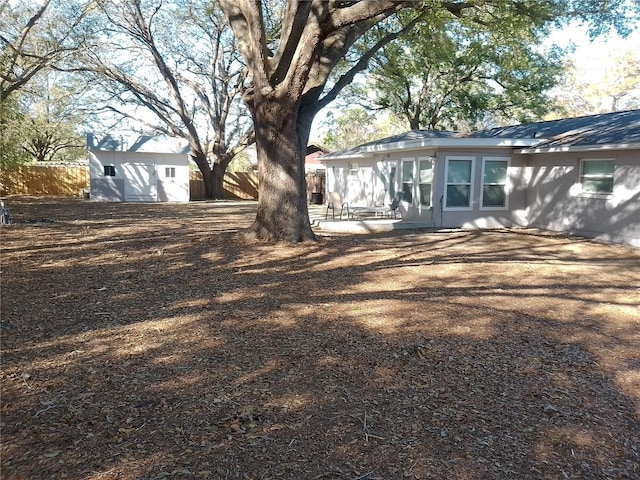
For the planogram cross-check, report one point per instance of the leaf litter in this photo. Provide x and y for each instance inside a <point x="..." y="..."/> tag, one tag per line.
<point x="148" y="341"/>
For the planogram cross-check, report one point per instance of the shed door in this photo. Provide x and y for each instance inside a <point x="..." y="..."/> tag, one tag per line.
<point x="140" y="182"/>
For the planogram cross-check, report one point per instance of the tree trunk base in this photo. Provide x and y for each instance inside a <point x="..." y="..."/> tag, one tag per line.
<point x="297" y="232"/>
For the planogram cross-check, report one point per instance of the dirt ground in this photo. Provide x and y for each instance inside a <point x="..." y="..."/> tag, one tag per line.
<point x="154" y="341"/>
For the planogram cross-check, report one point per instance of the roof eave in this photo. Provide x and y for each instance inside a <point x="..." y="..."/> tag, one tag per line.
<point x="403" y="146"/>
<point x="581" y="148"/>
<point x="454" y="142"/>
<point x="347" y="156"/>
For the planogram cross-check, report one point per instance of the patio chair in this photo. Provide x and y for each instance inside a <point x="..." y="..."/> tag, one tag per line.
<point x="333" y="200"/>
<point x="391" y="209"/>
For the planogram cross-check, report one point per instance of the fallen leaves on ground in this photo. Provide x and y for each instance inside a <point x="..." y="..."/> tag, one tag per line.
<point x="152" y="341"/>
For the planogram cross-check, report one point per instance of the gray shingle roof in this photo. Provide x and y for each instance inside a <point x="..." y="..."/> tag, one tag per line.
<point x="581" y="132"/>
<point x="137" y="143"/>
<point x="603" y="129"/>
<point x="402" y="137"/>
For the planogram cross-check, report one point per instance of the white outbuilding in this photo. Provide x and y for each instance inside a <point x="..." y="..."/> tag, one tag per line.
<point x="138" y="169"/>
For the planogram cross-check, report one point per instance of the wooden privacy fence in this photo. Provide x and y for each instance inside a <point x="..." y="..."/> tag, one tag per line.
<point x="73" y="180"/>
<point x="59" y="180"/>
<point x="238" y="185"/>
<point x="244" y="185"/>
<point x="315" y="188"/>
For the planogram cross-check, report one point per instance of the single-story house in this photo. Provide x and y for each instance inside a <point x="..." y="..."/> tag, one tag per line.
<point x="575" y="175"/>
<point x="138" y="169"/>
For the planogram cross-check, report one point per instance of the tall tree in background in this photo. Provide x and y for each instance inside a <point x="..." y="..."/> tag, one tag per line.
<point x="355" y="126"/>
<point x="457" y="74"/>
<point x="52" y="116"/>
<point x="613" y="85"/>
<point x="291" y="49"/>
<point x="174" y="68"/>
<point x="34" y="38"/>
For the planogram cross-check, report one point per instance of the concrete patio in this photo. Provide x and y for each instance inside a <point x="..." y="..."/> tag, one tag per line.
<point x="363" y="224"/>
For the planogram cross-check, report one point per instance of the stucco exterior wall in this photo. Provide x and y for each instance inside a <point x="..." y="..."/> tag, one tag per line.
<point x="375" y="180"/>
<point x="555" y="200"/>
<point x="139" y="176"/>
<point x="477" y="216"/>
<point x="543" y="191"/>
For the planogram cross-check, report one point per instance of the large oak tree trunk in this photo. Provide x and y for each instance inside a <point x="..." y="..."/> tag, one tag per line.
<point x="315" y="36"/>
<point x="214" y="183"/>
<point x="213" y="177"/>
<point x="282" y="207"/>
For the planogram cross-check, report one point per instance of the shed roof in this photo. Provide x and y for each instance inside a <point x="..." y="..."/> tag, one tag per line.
<point x="137" y="143"/>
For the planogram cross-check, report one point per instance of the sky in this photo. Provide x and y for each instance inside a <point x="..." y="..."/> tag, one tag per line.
<point x="591" y="56"/>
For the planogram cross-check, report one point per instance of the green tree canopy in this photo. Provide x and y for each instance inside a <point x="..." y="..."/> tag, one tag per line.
<point x="455" y="74"/>
<point x="355" y="126"/>
<point x="11" y="134"/>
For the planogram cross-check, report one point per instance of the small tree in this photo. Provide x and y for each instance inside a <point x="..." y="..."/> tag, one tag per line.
<point x="11" y="135"/>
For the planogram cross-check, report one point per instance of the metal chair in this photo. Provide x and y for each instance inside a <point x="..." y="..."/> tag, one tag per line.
<point x="391" y="209"/>
<point x="334" y="199"/>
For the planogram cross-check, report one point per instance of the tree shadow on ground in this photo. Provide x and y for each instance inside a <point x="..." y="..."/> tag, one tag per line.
<point x="144" y="351"/>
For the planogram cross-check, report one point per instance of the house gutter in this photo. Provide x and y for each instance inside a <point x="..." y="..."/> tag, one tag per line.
<point x="580" y="148"/>
<point x="346" y="156"/>
<point x="370" y="150"/>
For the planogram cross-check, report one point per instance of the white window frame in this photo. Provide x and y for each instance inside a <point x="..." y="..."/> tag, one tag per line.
<point x="590" y="193"/>
<point x="507" y="186"/>
<point x="419" y="182"/>
<point x="169" y="172"/>
<point x="111" y="167"/>
<point x="353" y="169"/>
<point x="412" y="161"/>
<point x="471" y="183"/>
<point x="393" y="179"/>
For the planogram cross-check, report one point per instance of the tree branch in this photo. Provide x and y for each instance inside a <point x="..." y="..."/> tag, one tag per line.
<point x="363" y="63"/>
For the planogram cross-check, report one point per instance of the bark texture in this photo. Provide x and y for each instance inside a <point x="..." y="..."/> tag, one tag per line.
<point x="285" y="85"/>
<point x="282" y="208"/>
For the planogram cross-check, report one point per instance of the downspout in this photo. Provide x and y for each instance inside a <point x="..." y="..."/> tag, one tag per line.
<point x="441" y="209"/>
